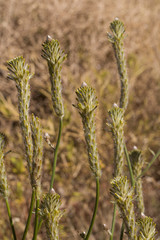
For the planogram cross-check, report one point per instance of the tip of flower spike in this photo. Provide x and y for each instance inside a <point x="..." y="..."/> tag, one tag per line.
<point x="105" y="227"/>
<point x="135" y="148"/>
<point x="84" y="84"/>
<point x="83" y="235"/>
<point x="49" y="38"/>
<point x="52" y="191"/>
<point x="115" y="105"/>
<point x="116" y="19"/>
<point x="143" y="215"/>
<point x="46" y="135"/>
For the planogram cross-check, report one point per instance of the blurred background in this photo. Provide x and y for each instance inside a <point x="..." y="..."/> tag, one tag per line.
<point x="80" y="27"/>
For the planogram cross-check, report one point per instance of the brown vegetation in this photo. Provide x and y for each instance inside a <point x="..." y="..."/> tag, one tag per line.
<point x="80" y="27"/>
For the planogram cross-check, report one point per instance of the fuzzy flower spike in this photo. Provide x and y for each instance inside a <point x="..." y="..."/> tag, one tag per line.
<point x="55" y="57"/>
<point x="19" y="72"/>
<point x="137" y="163"/>
<point x="116" y="38"/>
<point x="147" y="229"/>
<point x="51" y="214"/>
<point x="37" y="155"/>
<point x="86" y="105"/>
<point x="116" y="126"/>
<point x="123" y="195"/>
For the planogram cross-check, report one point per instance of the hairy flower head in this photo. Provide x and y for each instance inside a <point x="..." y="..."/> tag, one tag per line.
<point x="55" y="57"/>
<point x="19" y="72"/>
<point x="51" y="214"/>
<point x="86" y="104"/>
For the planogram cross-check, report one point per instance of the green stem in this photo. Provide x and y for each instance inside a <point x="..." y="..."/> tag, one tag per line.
<point x="36" y="221"/>
<point x="95" y="210"/>
<point x="10" y="219"/>
<point x="56" y="152"/>
<point x="149" y="165"/>
<point x="29" y="215"/>
<point x="40" y="224"/>
<point x="122" y="231"/>
<point x="129" y="166"/>
<point x="113" y="221"/>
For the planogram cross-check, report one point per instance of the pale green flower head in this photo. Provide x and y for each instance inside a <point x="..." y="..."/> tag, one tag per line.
<point x="123" y="195"/>
<point x="118" y="30"/>
<point x="51" y="214"/>
<point x="147" y="229"/>
<point x="55" y="57"/>
<point x="116" y="115"/>
<point x="18" y="69"/>
<point x="86" y="104"/>
<point x="19" y="72"/>
<point x="86" y="100"/>
<point x="116" y="37"/>
<point x="116" y="126"/>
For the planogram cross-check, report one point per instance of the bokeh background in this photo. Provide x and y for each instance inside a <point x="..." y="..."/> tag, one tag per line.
<point x="80" y="27"/>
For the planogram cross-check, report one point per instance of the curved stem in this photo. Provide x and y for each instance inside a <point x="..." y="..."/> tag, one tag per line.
<point x="113" y="221"/>
<point x="56" y="152"/>
<point x="149" y="165"/>
<point x="95" y="210"/>
<point x="10" y="219"/>
<point x="36" y="221"/>
<point x="129" y="166"/>
<point x="29" y="215"/>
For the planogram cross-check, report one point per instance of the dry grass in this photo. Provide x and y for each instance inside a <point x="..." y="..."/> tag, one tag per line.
<point x="81" y="28"/>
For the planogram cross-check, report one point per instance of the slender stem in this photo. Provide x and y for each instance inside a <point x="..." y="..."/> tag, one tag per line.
<point x="129" y="166"/>
<point x="29" y="215"/>
<point x="95" y="210"/>
<point x="10" y="219"/>
<point x="40" y="224"/>
<point x="36" y="221"/>
<point x="113" y="221"/>
<point x="122" y="231"/>
<point x="149" y="165"/>
<point x="56" y="152"/>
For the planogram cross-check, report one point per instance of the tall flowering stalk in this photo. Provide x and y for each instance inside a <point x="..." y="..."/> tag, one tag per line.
<point x="123" y="195"/>
<point x="137" y="163"/>
<point x="4" y="192"/>
<point x="51" y="214"/>
<point x="86" y="105"/>
<point x="116" y="126"/>
<point x="55" y="57"/>
<point x="116" y="38"/>
<point x="19" y="72"/>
